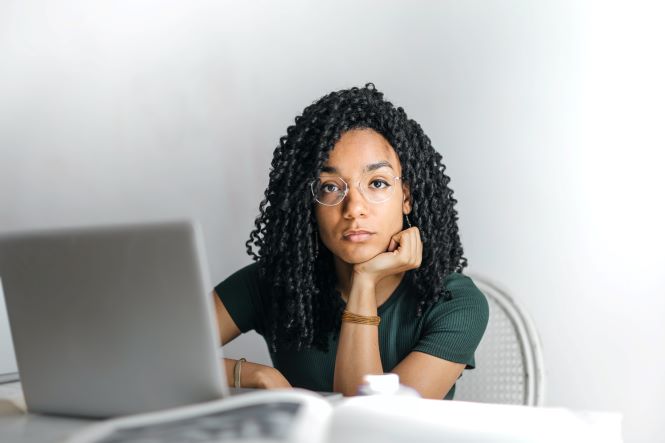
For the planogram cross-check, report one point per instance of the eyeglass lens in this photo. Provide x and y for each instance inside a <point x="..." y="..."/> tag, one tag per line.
<point x="377" y="187"/>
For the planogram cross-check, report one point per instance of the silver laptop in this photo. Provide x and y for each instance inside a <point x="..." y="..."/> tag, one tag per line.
<point x="8" y="371"/>
<point x="112" y="321"/>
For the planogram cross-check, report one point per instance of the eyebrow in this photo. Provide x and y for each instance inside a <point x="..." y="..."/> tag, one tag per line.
<point x="368" y="168"/>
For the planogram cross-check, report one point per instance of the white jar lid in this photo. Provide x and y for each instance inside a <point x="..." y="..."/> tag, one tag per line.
<point x="381" y="384"/>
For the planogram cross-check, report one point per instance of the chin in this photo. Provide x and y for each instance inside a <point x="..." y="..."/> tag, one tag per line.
<point x="358" y="254"/>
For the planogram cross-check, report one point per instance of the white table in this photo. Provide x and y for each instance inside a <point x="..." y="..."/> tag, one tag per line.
<point x="18" y="426"/>
<point x="382" y="419"/>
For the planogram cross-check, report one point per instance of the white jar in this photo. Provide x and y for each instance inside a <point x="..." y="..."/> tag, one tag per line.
<point x="385" y="384"/>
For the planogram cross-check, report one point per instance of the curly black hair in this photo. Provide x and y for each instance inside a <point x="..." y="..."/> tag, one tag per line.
<point x="304" y="305"/>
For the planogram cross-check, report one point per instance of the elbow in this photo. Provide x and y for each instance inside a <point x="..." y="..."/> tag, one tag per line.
<point x="346" y="389"/>
<point x="348" y="392"/>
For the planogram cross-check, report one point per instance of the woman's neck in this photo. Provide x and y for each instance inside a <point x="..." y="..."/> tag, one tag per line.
<point x="384" y="288"/>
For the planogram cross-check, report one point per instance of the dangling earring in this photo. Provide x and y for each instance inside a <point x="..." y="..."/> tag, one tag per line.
<point x="316" y="243"/>
<point x="408" y="222"/>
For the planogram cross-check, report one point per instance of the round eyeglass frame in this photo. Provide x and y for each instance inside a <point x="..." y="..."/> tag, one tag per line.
<point x="346" y="191"/>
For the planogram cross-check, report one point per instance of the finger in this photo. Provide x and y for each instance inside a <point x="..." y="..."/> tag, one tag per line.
<point x="414" y="247"/>
<point x="397" y="237"/>
<point x="409" y="248"/>
<point x="396" y="243"/>
<point x="405" y="245"/>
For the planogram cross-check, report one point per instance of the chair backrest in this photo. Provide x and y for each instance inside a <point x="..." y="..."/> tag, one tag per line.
<point x="509" y="360"/>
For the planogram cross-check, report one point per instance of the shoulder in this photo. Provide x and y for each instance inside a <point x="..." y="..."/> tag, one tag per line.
<point x="462" y="286"/>
<point x="464" y="302"/>
<point x="241" y="294"/>
<point x="244" y="276"/>
<point x="454" y="325"/>
<point x="250" y="269"/>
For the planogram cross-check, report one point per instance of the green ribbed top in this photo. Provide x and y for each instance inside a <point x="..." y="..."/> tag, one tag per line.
<point x="449" y="329"/>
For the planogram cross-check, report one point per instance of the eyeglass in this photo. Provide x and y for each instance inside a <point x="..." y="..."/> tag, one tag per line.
<point x="376" y="187"/>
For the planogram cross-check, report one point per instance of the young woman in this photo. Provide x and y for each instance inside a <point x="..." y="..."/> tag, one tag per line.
<point x="358" y="262"/>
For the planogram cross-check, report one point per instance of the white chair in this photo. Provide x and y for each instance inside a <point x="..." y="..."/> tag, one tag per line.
<point x="509" y="359"/>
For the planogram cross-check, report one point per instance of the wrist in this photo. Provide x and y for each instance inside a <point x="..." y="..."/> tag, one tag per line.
<point x="259" y="377"/>
<point x="249" y="375"/>
<point x="363" y="280"/>
<point x="362" y="296"/>
<point x="237" y="372"/>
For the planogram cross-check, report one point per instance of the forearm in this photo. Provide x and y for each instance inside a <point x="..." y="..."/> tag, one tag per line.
<point x="254" y="375"/>
<point x="358" y="348"/>
<point x="229" y="366"/>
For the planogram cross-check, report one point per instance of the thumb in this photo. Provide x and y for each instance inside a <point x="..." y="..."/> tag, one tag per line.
<point x="394" y="241"/>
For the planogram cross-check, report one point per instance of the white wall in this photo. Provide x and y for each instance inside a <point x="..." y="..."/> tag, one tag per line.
<point x="548" y="114"/>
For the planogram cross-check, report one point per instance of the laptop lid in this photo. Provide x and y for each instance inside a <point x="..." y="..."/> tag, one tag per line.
<point x="8" y="371"/>
<point x="109" y="321"/>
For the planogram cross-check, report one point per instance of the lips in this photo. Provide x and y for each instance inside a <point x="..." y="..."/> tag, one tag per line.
<point x="357" y="235"/>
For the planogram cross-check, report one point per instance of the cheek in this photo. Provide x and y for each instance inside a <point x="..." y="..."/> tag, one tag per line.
<point x="393" y="219"/>
<point x="325" y="221"/>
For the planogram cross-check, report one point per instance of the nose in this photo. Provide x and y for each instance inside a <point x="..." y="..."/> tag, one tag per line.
<point x="354" y="204"/>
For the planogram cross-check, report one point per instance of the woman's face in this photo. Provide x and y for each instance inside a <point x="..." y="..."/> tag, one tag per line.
<point x="356" y="230"/>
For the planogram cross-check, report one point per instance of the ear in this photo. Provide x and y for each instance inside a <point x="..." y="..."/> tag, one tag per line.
<point x="406" y="202"/>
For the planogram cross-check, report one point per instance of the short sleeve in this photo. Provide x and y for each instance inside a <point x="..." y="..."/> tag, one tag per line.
<point x="454" y="327"/>
<point x="241" y="295"/>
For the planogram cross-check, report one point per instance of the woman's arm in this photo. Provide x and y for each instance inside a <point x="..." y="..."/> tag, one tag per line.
<point x="253" y="375"/>
<point x="225" y="325"/>
<point x="431" y="376"/>
<point x="358" y="349"/>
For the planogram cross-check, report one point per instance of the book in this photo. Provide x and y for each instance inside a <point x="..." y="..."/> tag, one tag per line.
<point x="293" y="415"/>
<point x="298" y="416"/>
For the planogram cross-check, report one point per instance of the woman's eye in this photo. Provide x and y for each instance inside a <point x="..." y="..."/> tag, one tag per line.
<point x="379" y="184"/>
<point x="329" y="187"/>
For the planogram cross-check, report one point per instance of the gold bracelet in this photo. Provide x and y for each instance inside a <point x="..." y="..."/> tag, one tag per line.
<point x="372" y="320"/>
<point x="236" y="372"/>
